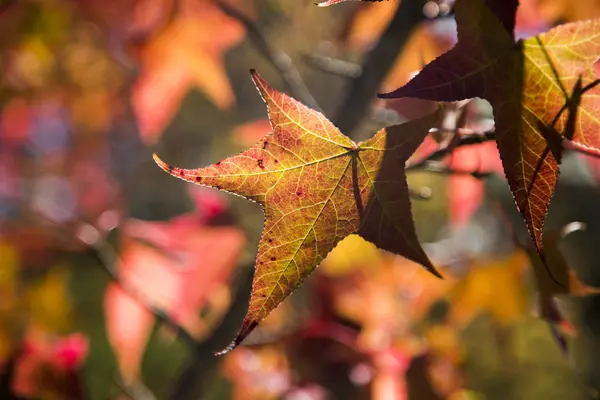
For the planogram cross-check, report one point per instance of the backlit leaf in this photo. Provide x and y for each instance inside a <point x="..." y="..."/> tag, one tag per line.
<point x="316" y="187"/>
<point x="527" y="84"/>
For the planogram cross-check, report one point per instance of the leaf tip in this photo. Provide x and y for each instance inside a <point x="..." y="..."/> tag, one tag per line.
<point x="265" y="90"/>
<point x="389" y="95"/>
<point x="227" y="349"/>
<point x="428" y="265"/>
<point x="258" y="80"/>
<point x="248" y="326"/>
<point x="163" y="165"/>
<point x="435" y="272"/>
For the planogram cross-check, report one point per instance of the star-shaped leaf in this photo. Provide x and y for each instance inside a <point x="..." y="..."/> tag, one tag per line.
<point x="533" y="86"/>
<point x="316" y="187"/>
<point x="187" y="54"/>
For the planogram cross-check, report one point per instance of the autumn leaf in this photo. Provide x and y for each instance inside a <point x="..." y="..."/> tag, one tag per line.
<point x="47" y="367"/>
<point x="178" y="266"/>
<point x="316" y="187"/>
<point x="367" y="24"/>
<point x="496" y="286"/>
<point x="528" y="84"/>
<point x="251" y="132"/>
<point x="465" y="192"/>
<point x="187" y="54"/>
<point x="566" y="11"/>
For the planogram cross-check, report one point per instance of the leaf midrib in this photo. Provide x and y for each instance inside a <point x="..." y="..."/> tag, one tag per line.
<point x="284" y="270"/>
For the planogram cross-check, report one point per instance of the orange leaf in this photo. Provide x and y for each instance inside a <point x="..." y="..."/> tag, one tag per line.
<point x="187" y="54"/>
<point x="316" y="187"/>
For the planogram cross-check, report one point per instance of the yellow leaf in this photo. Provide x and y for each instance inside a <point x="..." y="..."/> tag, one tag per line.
<point x="352" y="252"/>
<point x="48" y="301"/>
<point x="497" y="287"/>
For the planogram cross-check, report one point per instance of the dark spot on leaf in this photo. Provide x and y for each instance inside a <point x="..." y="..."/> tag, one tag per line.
<point x="218" y="163"/>
<point x="273" y="259"/>
<point x="270" y="240"/>
<point x="181" y="173"/>
<point x="299" y="193"/>
<point x="259" y="162"/>
<point x="276" y="161"/>
<point x="265" y="145"/>
<point x="198" y="179"/>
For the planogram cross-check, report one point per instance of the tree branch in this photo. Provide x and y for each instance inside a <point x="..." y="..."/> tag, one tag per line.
<point x="377" y="64"/>
<point x="92" y="238"/>
<point x="468" y="140"/>
<point x="334" y="66"/>
<point x="279" y="60"/>
<point x="109" y="257"/>
<point x="190" y="381"/>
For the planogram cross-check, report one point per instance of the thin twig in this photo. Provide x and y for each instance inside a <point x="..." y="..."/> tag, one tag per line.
<point x="334" y="66"/>
<point x="378" y="62"/>
<point x="437" y="167"/>
<point x="279" y="60"/>
<point x="138" y="392"/>
<point x="443" y="152"/>
<point x="109" y="260"/>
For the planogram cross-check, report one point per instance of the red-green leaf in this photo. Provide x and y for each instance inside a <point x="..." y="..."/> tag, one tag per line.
<point x="528" y="85"/>
<point x="316" y="187"/>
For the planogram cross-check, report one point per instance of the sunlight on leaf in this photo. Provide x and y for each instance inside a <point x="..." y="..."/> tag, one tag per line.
<point x="316" y="187"/>
<point x="527" y="85"/>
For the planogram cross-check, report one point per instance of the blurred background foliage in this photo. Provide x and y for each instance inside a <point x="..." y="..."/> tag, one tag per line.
<point x="117" y="281"/>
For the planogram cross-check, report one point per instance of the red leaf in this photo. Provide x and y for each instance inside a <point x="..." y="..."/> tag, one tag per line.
<point x="466" y="192"/>
<point x="177" y="269"/>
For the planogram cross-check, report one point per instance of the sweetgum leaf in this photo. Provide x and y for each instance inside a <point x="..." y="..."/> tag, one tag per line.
<point x="535" y="87"/>
<point x="316" y="187"/>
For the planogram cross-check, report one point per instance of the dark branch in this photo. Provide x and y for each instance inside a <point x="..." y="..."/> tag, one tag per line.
<point x="438" y="155"/>
<point x="191" y="380"/>
<point x="379" y="60"/>
<point x="109" y="258"/>
<point x="279" y="60"/>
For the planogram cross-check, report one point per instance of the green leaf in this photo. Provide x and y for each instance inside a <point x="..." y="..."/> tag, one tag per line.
<point x="316" y="187"/>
